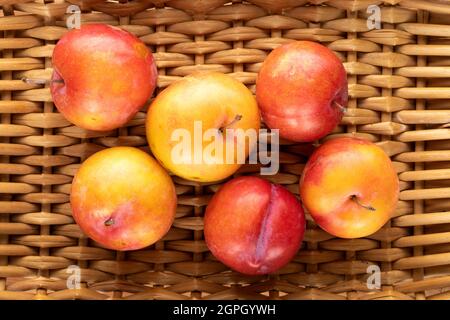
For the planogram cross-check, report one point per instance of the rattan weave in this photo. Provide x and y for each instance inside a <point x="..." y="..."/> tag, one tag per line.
<point x="400" y="98"/>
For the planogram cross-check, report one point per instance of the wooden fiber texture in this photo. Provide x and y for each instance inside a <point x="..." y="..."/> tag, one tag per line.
<point x="399" y="92"/>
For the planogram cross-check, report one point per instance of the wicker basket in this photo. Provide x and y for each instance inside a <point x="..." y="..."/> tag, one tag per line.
<point x="400" y="97"/>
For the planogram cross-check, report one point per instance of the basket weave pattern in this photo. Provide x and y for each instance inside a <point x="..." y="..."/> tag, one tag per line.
<point x="399" y="98"/>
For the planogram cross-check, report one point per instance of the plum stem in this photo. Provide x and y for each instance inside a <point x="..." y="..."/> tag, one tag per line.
<point x="41" y="81"/>
<point x="368" y="207"/>
<point x="237" y="118"/>
<point x="341" y="107"/>
<point x="109" y="222"/>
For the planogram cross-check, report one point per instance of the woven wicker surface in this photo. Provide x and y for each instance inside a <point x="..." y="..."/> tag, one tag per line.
<point x="400" y="97"/>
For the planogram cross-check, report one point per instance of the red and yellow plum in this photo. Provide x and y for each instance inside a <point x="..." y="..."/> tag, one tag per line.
<point x="102" y="76"/>
<point x="253" y="226"/>
<point x="350" y="187"/>
<point x="302" y="90"/>
<point x="123" y="199"/>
